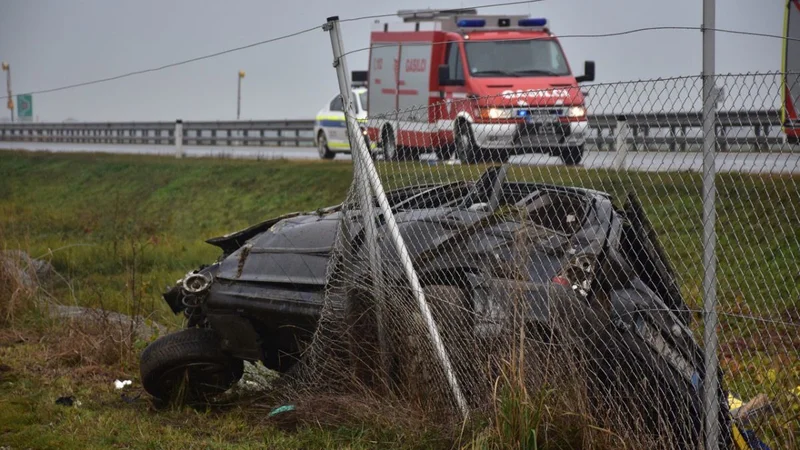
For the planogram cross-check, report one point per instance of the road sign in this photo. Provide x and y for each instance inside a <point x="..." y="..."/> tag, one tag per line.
<point x="25" y="107"/>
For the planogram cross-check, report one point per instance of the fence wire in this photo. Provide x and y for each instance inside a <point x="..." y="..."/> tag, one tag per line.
<point x="566" y="281"/>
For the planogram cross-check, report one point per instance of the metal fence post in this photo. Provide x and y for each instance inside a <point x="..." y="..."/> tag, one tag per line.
<point x="621" y="134"/>
<point x="711" y="383"/>
<point x="179" y="138"/>
<point x="370" y="172"/>
<point x="360" y="178"/>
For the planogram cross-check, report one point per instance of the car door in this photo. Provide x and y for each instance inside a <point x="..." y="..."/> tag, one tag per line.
<point x="335" y="125"/>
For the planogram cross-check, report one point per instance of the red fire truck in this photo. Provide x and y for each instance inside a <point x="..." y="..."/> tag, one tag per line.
<point x="790" y="72"/>
<point x="481" y="87"/>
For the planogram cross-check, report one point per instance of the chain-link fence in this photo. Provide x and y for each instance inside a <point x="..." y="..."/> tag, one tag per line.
<point x="536" y="257"/>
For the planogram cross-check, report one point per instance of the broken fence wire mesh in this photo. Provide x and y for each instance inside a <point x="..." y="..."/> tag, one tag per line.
<point x="573" y="275"/>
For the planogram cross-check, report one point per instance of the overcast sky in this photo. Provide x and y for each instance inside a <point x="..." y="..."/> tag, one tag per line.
<point x="58" y="42"/>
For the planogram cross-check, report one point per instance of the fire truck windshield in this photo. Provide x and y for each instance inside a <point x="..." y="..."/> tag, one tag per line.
<point x="516" y="58"/>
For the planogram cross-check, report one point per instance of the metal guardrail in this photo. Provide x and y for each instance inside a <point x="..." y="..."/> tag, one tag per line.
<point x="299" y="133"/>
<point x="678" y="125"/>
<point x="290" y="133"/>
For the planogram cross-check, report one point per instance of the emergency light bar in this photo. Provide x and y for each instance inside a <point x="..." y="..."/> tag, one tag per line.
<point x="471" y="23"/>
<point x="537" y="22"/>
<point x="502" y="22"/>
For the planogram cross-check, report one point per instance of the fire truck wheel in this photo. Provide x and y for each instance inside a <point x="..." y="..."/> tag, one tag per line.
<point x="466" y="148"/>
<point x="322" y="147"/>
<point x="390" y="150"/>
<point x="572" y="155"/>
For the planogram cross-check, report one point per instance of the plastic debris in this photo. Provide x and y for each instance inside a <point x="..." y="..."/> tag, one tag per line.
<point x="121" y="384"/>
<point x="281" y="409"/>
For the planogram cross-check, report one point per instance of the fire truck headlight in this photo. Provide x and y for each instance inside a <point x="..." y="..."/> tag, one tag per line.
<point x="576" y="111"/>
<point x="499" y="113"/>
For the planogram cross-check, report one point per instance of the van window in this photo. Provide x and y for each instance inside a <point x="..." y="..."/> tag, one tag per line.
<point x="454" y="61"/>
<point x="516" y="58"/>
<point x="337" y="104"/>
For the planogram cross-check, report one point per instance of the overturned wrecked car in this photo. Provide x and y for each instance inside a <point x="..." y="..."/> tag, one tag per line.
<point x="263" y="298"/>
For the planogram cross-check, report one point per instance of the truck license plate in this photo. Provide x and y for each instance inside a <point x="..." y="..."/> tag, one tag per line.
<point x="538" y="126"/>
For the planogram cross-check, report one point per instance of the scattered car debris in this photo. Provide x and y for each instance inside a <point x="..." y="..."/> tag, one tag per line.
<point x="281" y="409"/>
<point x="121" y="384"/>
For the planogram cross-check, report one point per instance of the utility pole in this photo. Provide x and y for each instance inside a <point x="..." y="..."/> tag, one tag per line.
<point x="239" y="95"/>
<point x="7" y="70"/>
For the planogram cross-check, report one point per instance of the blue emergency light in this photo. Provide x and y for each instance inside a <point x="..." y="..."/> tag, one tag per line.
<point x="533" y="22"/>
<point x="471" y="23"/>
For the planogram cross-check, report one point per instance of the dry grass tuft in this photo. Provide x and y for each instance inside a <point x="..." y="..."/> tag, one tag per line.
<point x="18" y="285"/>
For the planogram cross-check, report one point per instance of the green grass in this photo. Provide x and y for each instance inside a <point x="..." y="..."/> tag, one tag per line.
<point x="122" y="228"/>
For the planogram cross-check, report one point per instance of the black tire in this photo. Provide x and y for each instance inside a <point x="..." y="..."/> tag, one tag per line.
<point x="390" y="150"/>
<point x="393" y="152"/>
<point x="322" y="147"/>
<point x="572" y="156"/>
<point x="192" y="359"/>
<point x="467" y="149"/>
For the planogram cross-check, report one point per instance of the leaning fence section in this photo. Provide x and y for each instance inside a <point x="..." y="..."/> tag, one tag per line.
<point x="565" y="281"/>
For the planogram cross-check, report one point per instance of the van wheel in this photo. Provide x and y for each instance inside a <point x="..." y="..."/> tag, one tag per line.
<point x="188" y="366"/>
<point x="390" y="152"/>
<point x="322" y="147"/>
<point x="466" y="148"/>
<point x="572" y="155"/>
<point x="393" y="152"/>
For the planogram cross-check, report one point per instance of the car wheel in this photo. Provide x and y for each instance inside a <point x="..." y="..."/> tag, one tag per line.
<point x="322" y="147"/>
<point x="572" y="155"/>
<point x="188" y="365"/>
<point x="466" y="148"/>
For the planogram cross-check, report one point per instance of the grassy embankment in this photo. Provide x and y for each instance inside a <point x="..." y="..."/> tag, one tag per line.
<point x="120" y="229"/>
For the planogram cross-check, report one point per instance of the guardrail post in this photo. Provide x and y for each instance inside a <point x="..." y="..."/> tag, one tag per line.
<point x="757" y="132"/>
<point x="179" y="138"/>
<point x="673" y="134"/>
<point x="280" y="138"/>
<point x="297" y="135"/>
<point x="621" y="133"/>
<point x="683" y="135"/>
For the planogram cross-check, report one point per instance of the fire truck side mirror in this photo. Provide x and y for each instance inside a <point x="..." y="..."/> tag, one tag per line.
<point x="588" y="72"/>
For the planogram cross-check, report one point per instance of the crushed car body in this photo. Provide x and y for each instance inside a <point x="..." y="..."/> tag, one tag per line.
<point x="262" y="299"/>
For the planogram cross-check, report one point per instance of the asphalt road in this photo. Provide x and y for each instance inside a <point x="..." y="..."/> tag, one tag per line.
<point x="763" y="163"/>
